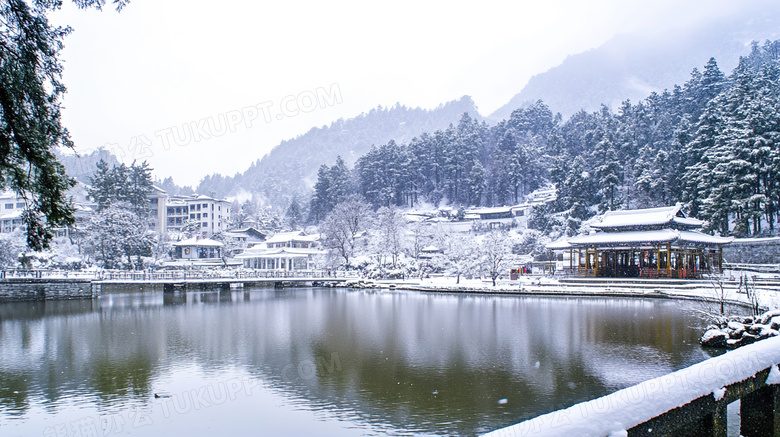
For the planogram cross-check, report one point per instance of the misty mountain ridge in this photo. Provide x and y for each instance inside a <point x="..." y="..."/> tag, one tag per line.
<point x="631" y="66"/>
<point x="290" y="168"/>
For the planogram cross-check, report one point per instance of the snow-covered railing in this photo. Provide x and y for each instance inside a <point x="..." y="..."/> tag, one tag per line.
<point x="44" y="273"/>
<point x="221" y="274"/>
<point x="691" y="401"/>
<point x="760" y="268"/>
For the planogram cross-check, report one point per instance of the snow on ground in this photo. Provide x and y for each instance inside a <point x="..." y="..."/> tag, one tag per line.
<point x="768" y="292"/>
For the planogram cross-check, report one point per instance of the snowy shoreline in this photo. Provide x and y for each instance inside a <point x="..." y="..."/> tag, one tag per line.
<point x="701" y="290"/>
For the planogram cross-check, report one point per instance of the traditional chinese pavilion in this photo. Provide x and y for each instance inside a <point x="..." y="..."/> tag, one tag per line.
<point x="653" y="242"/>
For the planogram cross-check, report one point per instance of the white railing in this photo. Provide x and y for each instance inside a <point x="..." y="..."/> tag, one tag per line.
<point x="42" y="273"/>
<point x="108" y="275"/>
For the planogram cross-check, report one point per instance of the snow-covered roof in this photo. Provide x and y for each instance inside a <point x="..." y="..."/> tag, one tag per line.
<point x="280" y="252"/>
<point x="13" y="215"/>
<point x="637" y="218"/>
<point x="665" y="236"/>
<point x="494" y="210"/>
<point x="282" y="237"/>
<point x="561" y="243"/>
<point x="415" y="217"/>
<point x="198" y="242"/>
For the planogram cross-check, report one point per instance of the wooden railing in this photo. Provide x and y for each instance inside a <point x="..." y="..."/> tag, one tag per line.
<point x="690" y="402"/>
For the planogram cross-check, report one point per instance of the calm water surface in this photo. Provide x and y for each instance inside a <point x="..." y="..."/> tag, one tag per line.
<point x="323" y="362"/>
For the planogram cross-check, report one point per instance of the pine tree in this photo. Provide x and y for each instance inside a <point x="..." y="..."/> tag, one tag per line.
<point x="340" y="182"/>
<point x="122" y="185"/>
<point x="294" y="213"/>
<point x="321" y="203"/>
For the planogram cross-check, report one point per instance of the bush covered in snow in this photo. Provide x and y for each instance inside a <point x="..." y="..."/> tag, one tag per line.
<point x="739" y="331"/>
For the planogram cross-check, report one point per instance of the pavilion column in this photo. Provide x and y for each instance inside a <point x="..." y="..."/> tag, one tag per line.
<point x="571" y="259"/>
<point x="669" y="259"/>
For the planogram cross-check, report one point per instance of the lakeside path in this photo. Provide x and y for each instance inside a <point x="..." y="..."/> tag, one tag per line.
<point x="729" y="289"/>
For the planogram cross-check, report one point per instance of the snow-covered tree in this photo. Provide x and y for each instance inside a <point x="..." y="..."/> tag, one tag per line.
<point x="294" y="214"/>
<point x="12" y="244"/>
<point x="458" y="250"/>
<point x="122" y="184"/>
<point x="391" y="226"/>
<point x="116" y="235"/>
<point x="342" y="226"/>
<point x="495" y="254"/>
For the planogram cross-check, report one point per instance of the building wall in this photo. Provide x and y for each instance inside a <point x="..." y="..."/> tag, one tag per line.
<point x="212" y="215"/>
<point x="158" y="201"/>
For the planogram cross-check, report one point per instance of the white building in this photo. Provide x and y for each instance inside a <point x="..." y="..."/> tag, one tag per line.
<point x="285" y="251"/>
<point x="197" y="249"/>
<point x="158" y="200"/>
<point x="11" y="209"/>
<point x="210" y="215"/>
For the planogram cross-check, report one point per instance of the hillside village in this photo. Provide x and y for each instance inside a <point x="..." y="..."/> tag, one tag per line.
<point x="198" y="231"/>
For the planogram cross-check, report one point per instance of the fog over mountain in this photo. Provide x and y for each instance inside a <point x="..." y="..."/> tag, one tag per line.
<point x="291" y="167"/>
<point x="632" y="66"/>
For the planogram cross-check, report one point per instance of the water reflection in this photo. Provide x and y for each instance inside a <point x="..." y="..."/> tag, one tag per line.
<point x="332" y="361"/>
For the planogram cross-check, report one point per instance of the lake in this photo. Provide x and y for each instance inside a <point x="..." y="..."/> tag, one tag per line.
<point x="324" y="361"/>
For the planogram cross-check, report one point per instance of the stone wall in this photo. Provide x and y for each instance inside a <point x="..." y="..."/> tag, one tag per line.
<point x="21" y="289"/>
<point x="753" y="251"/>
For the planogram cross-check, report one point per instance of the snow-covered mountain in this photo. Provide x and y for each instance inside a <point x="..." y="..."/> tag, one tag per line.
<point x="632" y="66"/>
<point x="291" y="167"/>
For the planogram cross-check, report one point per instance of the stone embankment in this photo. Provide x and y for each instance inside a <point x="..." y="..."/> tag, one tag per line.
<point x="27" y="289"/>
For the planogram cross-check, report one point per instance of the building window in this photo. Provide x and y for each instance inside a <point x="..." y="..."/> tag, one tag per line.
<point x="204" y="225"/>
<point x="205" y="205"/>
<point x="20" y="205"/>
<point x="9" y="206"/>
<point x="205" y="214"/>
<point x="192" y="216"/>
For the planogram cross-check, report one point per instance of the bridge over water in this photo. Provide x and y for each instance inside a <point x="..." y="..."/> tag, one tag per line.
<point x="53" y="284"/>
<point x="172" y="280"/>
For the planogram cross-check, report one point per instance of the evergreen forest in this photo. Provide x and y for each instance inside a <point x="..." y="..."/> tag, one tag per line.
<point x="711" y="143"/>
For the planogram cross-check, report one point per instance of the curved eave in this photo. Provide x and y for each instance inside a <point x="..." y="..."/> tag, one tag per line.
<point x="646" y="238"/>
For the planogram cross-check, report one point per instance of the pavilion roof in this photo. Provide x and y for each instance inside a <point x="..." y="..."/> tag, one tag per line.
<point x="668" y="216"/>
<point x="638" y="238"/>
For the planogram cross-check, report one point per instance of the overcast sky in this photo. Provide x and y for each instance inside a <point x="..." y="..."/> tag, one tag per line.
<point x="199" y="87"/>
